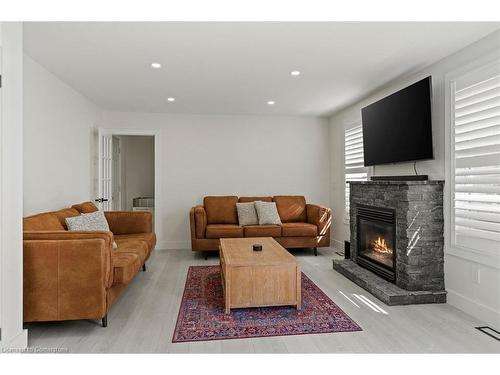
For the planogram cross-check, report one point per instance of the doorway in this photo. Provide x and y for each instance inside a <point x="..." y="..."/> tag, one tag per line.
<point x="134" y="177"/>
<point x="128" y="166"/>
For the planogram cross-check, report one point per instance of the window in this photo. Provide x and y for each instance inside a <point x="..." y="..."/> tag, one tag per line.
<point x="475" y="151"/>
<point x="354" y="162"/>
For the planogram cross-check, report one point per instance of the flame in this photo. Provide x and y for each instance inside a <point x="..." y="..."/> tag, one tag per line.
<point x="380" y="246"/>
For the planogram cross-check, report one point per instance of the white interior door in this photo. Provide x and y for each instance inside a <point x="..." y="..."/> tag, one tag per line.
<point x="116" y="182"/>
<point x="105" y="183"/>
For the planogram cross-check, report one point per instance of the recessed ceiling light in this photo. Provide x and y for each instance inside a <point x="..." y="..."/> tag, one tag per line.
<point x="170" y="99"/>
<point x="156" y="65"/>
<point x="270" y="102"/>
<point x="295" y="73"/>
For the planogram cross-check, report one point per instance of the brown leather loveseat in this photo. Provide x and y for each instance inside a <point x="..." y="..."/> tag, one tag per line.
<point x="303" y="224"/>
<point x="71" y="275"/>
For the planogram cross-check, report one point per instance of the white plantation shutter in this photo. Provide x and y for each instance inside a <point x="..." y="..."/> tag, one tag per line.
<point x="476" y="156"/>
<point x="355" y="169"/>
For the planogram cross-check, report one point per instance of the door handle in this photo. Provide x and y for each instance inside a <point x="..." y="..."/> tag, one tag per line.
<point x="101" y="200"/>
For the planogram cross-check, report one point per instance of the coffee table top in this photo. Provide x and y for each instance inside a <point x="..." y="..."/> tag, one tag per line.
<point x="239" y="252"/>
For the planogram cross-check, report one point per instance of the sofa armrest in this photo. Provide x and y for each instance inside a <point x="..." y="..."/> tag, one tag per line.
<point x="129" y="222"/>
<point x="69" y="235"/>
<point x="321" y="217"/>
<point x="66" y="275"/>
<point x="192" y="224"/>
<point x="198" y="222"/>
<point x="84" y="237"/>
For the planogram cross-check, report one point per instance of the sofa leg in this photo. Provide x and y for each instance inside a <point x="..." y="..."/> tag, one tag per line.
<point x="315" y="251"/>
<point x="105" y="321"/>
<point x="144" y="267"/>
<point x="206" y="257"/>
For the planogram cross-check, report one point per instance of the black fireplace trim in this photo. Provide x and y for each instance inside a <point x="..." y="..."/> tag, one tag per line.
<point x="386" y="215"/>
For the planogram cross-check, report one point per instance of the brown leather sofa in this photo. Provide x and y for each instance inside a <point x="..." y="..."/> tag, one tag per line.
<point x="303" y="224"/>
<point x="70" y="275"/>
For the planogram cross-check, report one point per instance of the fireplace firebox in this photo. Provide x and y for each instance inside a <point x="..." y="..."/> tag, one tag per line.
<point x="377" y="240"/>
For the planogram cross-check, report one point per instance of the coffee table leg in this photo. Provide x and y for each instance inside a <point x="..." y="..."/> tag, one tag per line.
<point x="299" y="288"/>
<point x="227" y="292"/>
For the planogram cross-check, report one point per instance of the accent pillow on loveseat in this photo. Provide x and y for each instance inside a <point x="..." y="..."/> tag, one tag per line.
<point x="247" y="214"/>
<point x="267" y="213"/>
<point x="94" y="221"/>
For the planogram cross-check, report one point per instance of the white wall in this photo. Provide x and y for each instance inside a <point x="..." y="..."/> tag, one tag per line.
<point x="241" y="155"/>
<point x="11" y="184"/>
<point x="57" y="141"/>
<point x="481" y="300"/>
<point x="137" y="169"/>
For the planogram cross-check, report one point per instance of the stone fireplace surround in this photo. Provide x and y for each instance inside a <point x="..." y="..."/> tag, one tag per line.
<point x="419" y="241"/>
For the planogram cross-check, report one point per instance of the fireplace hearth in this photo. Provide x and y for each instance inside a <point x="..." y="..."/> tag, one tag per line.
<point x="377" y="240"/>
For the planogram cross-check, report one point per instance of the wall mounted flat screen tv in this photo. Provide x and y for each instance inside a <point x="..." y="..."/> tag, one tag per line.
<point x="399" y="127"/>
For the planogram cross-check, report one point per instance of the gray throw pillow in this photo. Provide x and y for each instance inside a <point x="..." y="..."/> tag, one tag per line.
<point x="247" y="214"/>
<point x="267" y="213"/>
<point x="95" y="221"/>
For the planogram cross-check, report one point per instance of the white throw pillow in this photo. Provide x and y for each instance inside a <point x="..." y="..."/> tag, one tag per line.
<point x="247" y="215"/>
<point x="94" y="221"/>
<point x="267" y="213"/>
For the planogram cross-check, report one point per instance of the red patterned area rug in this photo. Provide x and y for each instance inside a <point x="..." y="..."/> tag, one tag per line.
<point x="201" y="315"/>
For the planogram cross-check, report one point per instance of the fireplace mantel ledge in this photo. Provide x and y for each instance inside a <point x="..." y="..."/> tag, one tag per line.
<point x="429" y="182"/>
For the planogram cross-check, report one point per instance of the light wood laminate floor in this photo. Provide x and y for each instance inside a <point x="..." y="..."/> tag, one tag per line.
<point x="143" y="320"/>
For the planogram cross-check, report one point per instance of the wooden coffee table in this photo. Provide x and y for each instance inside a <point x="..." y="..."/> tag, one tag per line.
<point x="270" y="277"/>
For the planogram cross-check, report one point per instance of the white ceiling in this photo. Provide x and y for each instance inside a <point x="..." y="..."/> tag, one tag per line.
<point x="235" y="68"/>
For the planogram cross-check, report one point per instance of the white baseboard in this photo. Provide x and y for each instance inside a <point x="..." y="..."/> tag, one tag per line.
<point x="173" y="245"/>
<point x="181" y="245"/>
<point x="474" y="308"/>
<point x="337" y="244"/>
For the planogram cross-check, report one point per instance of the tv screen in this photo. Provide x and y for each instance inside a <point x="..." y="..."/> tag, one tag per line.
<point x="399" y="127"/>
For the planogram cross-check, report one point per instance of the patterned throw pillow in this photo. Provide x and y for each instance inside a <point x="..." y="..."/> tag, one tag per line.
<point x="95" y="221"/>
<point x="267" y="213"/>
<point x="247" y="215"/>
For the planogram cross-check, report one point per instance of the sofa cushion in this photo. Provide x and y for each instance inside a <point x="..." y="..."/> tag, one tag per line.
<point x="299" y="230"/>
<point x="221" y="210"/>
<point x="253" y="199"/>
<point x="224" y="231"/>
<point x="85" y="207"/>
<point x="64" y="213"/>
<point x="125" y="267"/>
<point x="262" y="231"/>
<point x="129" y="222"/>
<point x="148" y="238"/>
<point x="43" y="221"/>
<point x="292" y="208"/>
<point x="139" y="248"/>
<point x="247" y="215"/>
<point x="267" y="213"/>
